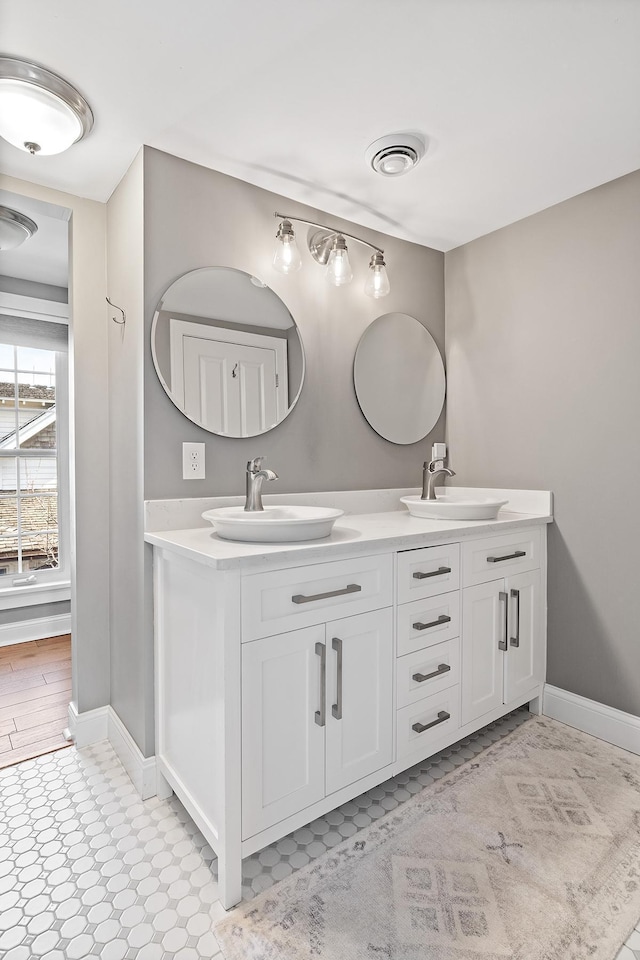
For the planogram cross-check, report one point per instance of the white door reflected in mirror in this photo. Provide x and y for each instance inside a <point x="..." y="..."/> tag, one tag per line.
<point x="399" y="378"/>
<point x="227" y="351"/>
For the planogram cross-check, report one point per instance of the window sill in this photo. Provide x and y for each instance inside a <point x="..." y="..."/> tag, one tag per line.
<point x="33" y="594"/>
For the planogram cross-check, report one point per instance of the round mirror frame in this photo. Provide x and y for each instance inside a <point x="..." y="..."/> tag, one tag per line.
<point x="381" y="383"/>
<point x="258" y="284"/>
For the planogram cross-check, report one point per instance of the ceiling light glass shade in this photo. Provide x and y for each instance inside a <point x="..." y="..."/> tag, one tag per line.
<point x="339" y="270"/>
<point x="40" y="112"/>
<point x="377" y="282"/>
<point x="286" y="258"/>
<point x="15" y="228"/>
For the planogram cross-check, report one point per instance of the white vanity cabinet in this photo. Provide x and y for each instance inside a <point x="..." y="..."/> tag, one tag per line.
<point x="428" y="650"/>
<point x="503" y="639"/>
<point x="317" y="714"/>
<point x="288" y="682"/>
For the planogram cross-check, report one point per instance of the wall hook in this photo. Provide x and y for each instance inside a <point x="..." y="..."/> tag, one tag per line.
<point x="124" y="316"/>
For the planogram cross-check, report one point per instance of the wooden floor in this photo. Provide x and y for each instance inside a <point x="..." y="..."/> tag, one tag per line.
<point x="35" y="690"/>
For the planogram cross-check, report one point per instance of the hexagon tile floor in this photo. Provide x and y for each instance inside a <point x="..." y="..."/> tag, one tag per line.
<point x="88" y="871"/>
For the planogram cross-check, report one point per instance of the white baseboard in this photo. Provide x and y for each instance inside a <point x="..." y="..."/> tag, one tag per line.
<point x="606" y="723"/>
<point x="39" y="629"/>
<point x="92" y="726"/>
<point x="141" y="770"/>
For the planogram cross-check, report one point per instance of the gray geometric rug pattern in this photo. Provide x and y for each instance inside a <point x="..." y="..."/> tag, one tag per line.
<point x="533" y="853"/>
<point x="281" y="859"/>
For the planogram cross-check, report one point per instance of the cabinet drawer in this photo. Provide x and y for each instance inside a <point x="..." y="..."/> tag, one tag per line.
<point x="425" y="622"/>
<point x="427" y="672"/>
<point x="283" y="600"/>
<point x="428" y="571"/>
<point x="495" y="557"/>
<point x="440" y="715"/>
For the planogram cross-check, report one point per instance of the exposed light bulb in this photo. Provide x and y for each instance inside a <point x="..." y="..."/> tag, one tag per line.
<point x="377" y="282"/>
<point x="286" y="258"/>
<point x="339" y="270"/>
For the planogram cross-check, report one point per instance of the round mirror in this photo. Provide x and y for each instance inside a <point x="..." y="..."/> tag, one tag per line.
<point x="227" y="352"/>
<point x="399" y="378"/>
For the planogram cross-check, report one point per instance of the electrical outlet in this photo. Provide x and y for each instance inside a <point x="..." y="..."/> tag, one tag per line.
<point x="439" y="451"/>
<point x="193" y="461"/>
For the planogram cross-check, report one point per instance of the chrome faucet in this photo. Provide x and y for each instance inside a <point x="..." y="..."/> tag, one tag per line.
<point x="255" y="476"/>
<point x="430" y="471"/>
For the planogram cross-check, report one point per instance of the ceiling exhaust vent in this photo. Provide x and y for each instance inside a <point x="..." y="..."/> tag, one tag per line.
<point x="395" y="154"/>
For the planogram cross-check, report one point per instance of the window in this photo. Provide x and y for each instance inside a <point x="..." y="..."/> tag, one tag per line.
<point x="33" y="471"/>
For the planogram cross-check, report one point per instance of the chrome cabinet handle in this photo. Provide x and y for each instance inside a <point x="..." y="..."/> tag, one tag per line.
<point x="443" y="618"/>
<point x="432" y="573"/>
<point x="336" y="709"/>
<point x="504" y="598"/>
<point x="320" y="717"/>
<point x="421" y="727"/>
<point x="421" y="677"/>
<point x="350" y="588"/>
<point x="509" y="556"/>
<point x="515" y="640"/>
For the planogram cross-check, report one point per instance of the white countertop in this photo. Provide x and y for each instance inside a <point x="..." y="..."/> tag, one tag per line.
<point x="377" y="532"/>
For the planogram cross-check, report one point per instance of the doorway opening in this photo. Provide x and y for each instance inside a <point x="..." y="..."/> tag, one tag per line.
<point x="35" y="587"/>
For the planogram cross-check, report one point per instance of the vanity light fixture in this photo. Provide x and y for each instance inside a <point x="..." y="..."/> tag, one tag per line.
<point x="377" y="282"/>
<point x="286" y="258"/>
<point x="328" y="247"/>
<point x="15" y="228"/>
<point x="339" y="270"/>
<point x="39" y="111"/>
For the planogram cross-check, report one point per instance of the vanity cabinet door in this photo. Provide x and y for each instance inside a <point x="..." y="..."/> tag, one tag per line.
<point x="524" y="663"/>
<point x="360" y="697"/>
<point x="484" y="635"/>
<point x="283" y="736"/>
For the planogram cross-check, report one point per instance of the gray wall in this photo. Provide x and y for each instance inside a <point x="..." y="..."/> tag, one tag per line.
<point x="30" y="288"/>
<point x="35" y="612"/>
<point x="195" y="217"/>
<point x="131" y="673"/>
<point x="543" y="351"/>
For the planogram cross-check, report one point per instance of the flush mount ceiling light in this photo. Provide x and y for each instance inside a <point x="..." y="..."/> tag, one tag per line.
<point x="396" y="154"/>
<point x="328" y="247"/>
<point x="15" y="228"/>
<point x="39" y="111"/>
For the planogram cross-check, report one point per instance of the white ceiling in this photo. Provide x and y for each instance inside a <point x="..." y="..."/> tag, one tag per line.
<point x="524" y="103"/>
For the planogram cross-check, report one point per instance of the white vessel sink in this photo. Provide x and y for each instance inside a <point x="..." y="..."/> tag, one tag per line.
<point x="274" y="524"/>
<point x="450" y="507"/>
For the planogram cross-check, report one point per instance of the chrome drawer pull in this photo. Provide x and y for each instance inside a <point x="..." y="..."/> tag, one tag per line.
<point x="421" y="727"/>
<point x="431" y="573"/>
<point x="421" y="677"/>
<point x="510" y="556"/>
<point x="336" y="708"/>
<point x="351" y="588"/>
<point x="320" y="715"/>
<point x="434" y="623"/>
<point x="515" y="640"/>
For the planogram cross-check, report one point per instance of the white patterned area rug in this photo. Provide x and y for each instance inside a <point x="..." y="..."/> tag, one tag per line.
<point x="531" y="851"/>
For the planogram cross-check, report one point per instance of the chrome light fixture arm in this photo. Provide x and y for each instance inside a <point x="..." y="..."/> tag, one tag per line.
<point x="328" y="247"/>
<point x="330" y="231"/>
